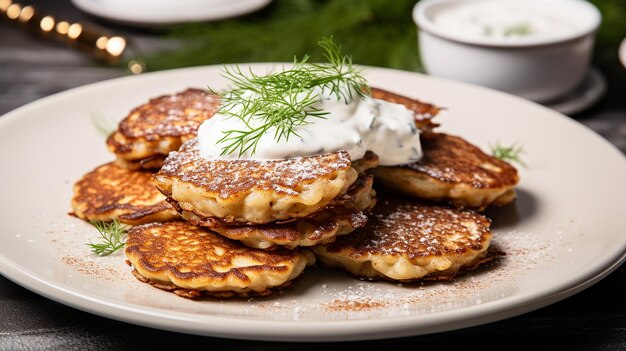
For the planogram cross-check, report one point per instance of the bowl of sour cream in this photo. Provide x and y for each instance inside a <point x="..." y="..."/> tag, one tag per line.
<point x="537" y="49"/>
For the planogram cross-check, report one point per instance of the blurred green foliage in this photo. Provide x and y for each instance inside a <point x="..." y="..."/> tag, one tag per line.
<point x="375" y="32"/>
<point x="613" y="28"/>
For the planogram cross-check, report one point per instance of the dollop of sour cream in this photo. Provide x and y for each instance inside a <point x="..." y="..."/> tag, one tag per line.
<point x="514" y="21"/>
<point x="362" y="124"/>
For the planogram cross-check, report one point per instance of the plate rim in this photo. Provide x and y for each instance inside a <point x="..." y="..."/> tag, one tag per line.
<point x="347" y="330"/>
<point x="396" y="326"/>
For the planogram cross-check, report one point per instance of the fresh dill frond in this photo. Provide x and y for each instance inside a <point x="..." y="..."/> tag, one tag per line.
<point x="102" y="124"/>
<point x="284" y="101"/>
<point x="508" y="153"/>
<point x="338" y="73"/>
<point x="112" y="237"/>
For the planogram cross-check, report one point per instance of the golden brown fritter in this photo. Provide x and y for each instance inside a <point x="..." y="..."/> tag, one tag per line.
<point x="341" y="217"/>
<point x="160" y="126"/>
<point x="110" y="192"/>
<point x="253" y="191"/>
<point x="454" y="171"/>
<point x="319" y="228"/>
<point x="405" y="240"/>
<point x="192" y="261"/>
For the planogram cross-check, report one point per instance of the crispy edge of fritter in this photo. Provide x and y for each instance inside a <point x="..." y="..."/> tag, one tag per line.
<point x="136" y="151"/>
<point x="421" y="179"/>
<point x="255" y="191"/>
<point x="142" y="255"/>
<point x="132" y="214"/>
<point x="371" y="257"/>
<point x="360" y="196"/>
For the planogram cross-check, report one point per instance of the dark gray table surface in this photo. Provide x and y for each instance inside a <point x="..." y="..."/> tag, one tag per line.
<point x="31" y="68"/>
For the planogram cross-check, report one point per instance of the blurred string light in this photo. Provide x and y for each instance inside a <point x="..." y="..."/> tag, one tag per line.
<point x="100" y="43"/>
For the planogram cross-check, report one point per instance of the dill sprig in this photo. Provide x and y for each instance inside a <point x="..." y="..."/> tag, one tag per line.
<point x="283" y="101"/>
<point x="508" y="153"/>
<point x="112" y="237"/>
<point x="520" y="29"/>
<point x="102" y="124"/>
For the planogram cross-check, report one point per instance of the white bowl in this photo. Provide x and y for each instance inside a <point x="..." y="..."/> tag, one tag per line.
<point x="535" y="68"/>
<point x="155" y="13"/>
<point x="622" y="52"/>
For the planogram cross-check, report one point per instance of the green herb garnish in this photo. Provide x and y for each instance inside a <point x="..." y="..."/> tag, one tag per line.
<point x="285" y="100"/>
<point x="508" y="153"/>
<point x="519" y="29"/>
<point x="112" y="237"/>
<point x="102" y="124"/>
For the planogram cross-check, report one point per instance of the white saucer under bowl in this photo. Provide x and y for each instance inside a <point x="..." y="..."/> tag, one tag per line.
<point x="164" y="12"/>
<point x="586" y="95"/>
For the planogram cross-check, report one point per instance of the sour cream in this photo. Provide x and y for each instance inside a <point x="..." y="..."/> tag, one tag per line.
<point x="355" y="126"/>
<point x="505" y="20"/>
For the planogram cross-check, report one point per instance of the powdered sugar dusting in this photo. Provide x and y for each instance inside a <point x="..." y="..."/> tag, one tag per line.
<point x="358" y="219"/>
<point x="416" y="230"/>
<point x="78" y="263"/>
<point x="228" y="177"/>
<point x="321" y="294"/>
<point x="525" y="253"/>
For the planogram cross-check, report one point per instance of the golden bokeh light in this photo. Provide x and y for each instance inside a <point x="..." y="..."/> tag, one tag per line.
<point x="26" y="13"/>
<point x="47" y="23"/>
<point x="90" y="38"/>
<point x="115" y="46"/>
<point x="74" y="30"/>
<point x="62" y="27"/>
<point x="101" y="43"/>
<point x="13" y="11"/>
<point x="4" y="5"/>
<point x="136" y="67"/>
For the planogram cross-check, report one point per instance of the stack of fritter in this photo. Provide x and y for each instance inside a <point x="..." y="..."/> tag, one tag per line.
<point x="247" y="227"/>
<point x="123" y="190"/>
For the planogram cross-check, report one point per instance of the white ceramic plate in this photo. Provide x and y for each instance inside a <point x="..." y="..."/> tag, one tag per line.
<point x="157" y="12"/>
<point x="564" y="233"/>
